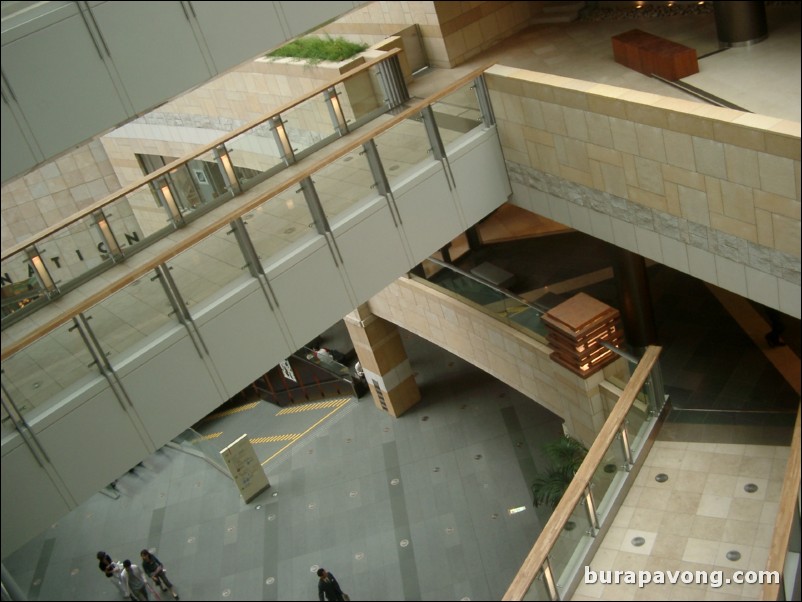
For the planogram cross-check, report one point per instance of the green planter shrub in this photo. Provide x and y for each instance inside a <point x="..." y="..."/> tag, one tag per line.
<point x="565" y="455"/>
<point x="315" y="50"/>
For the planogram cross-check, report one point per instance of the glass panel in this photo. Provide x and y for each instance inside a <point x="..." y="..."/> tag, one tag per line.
<point x="568" y="542"/>
<point x="73" y="251"/>
<point x="195" y="444"/>
<point x="457" y="113"/>
<point x="46" y="368"/>
<point x="137" y="217"/>
<point x="209" y="179"/>
<point x="279" y="224"/>
<point x="121" y="322"/>
<point x="185" y="189"/>
<point x="361" y="97"/>
<point x="208" y="268"/>
<point x="538" y="590"/>
<point x="612" y="464"/>
<point x="402" y="147"/>
<point x="636" y="421"/>
<point x="19" y="285"/>
<point x="343" y="183"/>
<point x="253" y="153"/>
<point x="308" y="123"/>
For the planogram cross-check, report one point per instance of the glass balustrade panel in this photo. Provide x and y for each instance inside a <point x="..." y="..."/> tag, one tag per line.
<point x="137" y="219"/>
<point x="20" y="286"/>
<point x="254" y="155"/>
<point x="126" y="320"/>
<point x="637" y="421"/>
<point x="208" y="269"/>
<point x="566" y="551"/>
<point x="280" y="224"/>
<point x="457" y="114"/>
<point x="402" y="148"/>
<point x="612" y="465"/>
<point x="47" y="368"/>
<point x="538" y="591"/>
<point x="308" y="125"/>
<point x="344" y="183"/>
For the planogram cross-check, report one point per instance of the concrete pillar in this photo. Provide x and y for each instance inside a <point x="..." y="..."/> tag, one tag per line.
<point x="740" y="23"/>
<point x="381" y="352"/>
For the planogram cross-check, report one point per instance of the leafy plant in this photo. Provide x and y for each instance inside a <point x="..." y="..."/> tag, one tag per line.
<point x="319" y="49"/>
<point x="565" y="455"/>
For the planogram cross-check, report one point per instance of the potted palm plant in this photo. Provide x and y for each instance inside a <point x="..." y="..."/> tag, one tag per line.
<point x="565" y="455"/>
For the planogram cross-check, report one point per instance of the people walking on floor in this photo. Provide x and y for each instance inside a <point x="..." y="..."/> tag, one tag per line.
<point x="135" y="581"/>
<point x="774" y="337"/>
<point x="328" y="587"/>
<point x="155" y="569"/>
<point x="112" y="570"/>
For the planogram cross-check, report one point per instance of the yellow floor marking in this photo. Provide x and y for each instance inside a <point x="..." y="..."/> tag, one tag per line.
<point x="274" y="438"/>
<point x="211" y="436"/>
<point x="336" y="409"/>
<point x="247" y="406"/>
<point x="321" y="405"/>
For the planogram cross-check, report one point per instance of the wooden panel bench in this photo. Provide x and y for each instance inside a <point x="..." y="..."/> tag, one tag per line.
<point x="650" y="54"/>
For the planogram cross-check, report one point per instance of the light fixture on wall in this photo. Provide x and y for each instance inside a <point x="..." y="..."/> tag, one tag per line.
<point x="39" y="268"/>
<point x="336" y="110"/>
<point x="224" y="159"/>
<point x="168" y="200"/>
<point x="108" y="236"/>
<point x="282" y="139"/>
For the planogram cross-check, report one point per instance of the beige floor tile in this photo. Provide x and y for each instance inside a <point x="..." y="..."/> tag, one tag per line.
<point x="604" y="559"/>
<point x="647" y="475"/>
<point x="633" y="496"/>
<point x="738" y="449"/>
<point x="627" y="561"/>
<point x="758" y="558"/>
<point x="645" y="518"/>
<point x="700" y="461"/>
<point x="689" y="480"/>
<point x="748" y="510"/>
<point x="619" y="592"/>
<point x="741" y="482"/>
<point x="653" y="499"/>
<point x="756" y="467"/>
<point x="768" y="513"/>
<point x="678" y="524"/>
<point x="613" y="538"/>
<point x="700" y="550"/>
<point x="668" y="546"/>
<point x="623" y="516"/>
<point x="627" y="544"/>
<point x="727" y="464"/>
<point x="685" y="502"/>
<point x="773" y="490"/>
<point x="762" y="451"/>
<point x="763" y="536"/>
<point x="739" y="532"/>
<point x="714" y="505"/>
<point x="708" y="527"/>
<point x="720" y="484"/>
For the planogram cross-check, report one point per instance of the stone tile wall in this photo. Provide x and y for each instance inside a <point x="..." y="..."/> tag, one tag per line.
<point x="712" y="192"/>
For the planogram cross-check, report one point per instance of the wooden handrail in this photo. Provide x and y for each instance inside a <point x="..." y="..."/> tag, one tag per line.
<point x="789" y="500"/>
<point x="191" y="238"/>
<point x="195" y="153"/>
<point x="562" y="513"/>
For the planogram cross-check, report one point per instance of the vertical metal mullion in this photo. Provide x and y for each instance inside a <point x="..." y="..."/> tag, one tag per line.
<point x="319" y="217"/>
<point x="438" y="149"/>
<point x="380" y="178"/>
<point x="185" y="317"/>
<point x="22" y="427"/>
<point x="485" y="105"/>
<point x="253" y="262"/>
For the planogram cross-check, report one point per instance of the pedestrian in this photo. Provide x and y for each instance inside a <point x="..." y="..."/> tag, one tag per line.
<point x="112" y="570"/>
<point x="135" y="581"/>
<point x="327" y="586"/>
<point x="155" y="569"/>
<point x="774" y="337"/>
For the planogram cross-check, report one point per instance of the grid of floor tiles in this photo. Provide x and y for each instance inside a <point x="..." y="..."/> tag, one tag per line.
<point x="415" y="508"/>
<point x="693" y="520"/>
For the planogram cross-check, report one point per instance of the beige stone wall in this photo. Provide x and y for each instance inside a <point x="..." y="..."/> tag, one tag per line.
<point x="54" y="191"/>
<point x="710" y="191"/>
<point x="451" y="32"/>
<point x="513" y="357"/>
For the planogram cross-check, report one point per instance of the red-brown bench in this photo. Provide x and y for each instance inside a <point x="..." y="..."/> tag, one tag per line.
<point x="650" y="54"/>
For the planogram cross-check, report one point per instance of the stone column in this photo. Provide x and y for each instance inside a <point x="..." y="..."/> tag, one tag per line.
<point x="381" y="352"/>
<point x="635" y="298"/>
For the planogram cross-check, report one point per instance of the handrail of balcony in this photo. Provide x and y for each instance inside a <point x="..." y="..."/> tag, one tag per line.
<point x="783" y="526"/>
<point x="191" y="238"/>
<point x="155" y="175"/>
<point x="595" y="456"/>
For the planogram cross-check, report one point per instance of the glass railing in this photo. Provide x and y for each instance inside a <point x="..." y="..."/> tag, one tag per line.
<point x="93" y="240"/>
<point x="492" y="300"/>
<point x="168" y="289"/>
<point x="585" y="507"/>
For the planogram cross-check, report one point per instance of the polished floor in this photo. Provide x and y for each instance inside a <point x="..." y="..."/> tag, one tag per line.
<point x="420" y="507"/>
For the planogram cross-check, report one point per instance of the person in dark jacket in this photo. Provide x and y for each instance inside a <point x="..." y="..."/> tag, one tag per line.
<point x="328" y="586"/>
<point x="153" y="567"/>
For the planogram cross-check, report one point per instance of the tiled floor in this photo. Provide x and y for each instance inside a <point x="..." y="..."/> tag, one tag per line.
<point x="442" y="530"/>
<point x="692" y="521"/>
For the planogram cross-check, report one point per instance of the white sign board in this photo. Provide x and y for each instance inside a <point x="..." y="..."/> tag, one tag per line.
<point x="244" y="466"/>
<point x="287" y="370"/>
